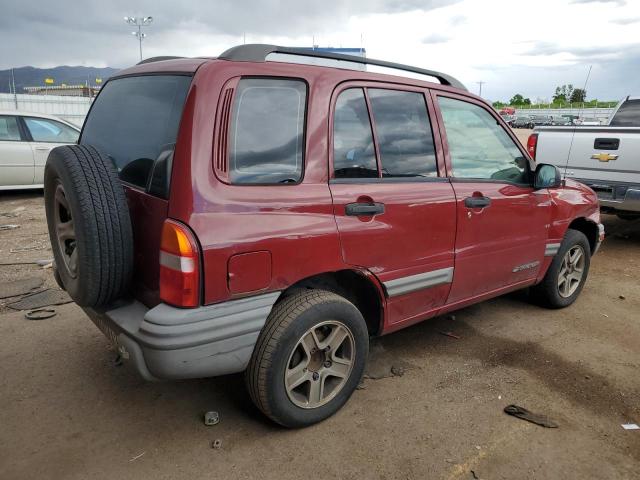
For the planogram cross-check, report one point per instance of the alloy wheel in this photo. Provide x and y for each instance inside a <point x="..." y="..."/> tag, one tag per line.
<point x="320" y="364"/>
<point x="571" y="271"/>
<point x="65" y="231"/>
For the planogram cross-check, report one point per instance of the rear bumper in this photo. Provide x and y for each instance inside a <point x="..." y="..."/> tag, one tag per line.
<point x="175" y="343"/>
<point x="630" y="202"/>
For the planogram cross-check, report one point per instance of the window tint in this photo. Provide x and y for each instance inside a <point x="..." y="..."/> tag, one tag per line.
<point x="628" y="115"/>
<point x="354" y="155"/>
<point x="267" y="131"/>
<point x="404" y="134"/>
<point x="9" y="128"/>
<point x="135" y="121"/>
<point x="44" y="130"/>
<point x="479" y="147"/>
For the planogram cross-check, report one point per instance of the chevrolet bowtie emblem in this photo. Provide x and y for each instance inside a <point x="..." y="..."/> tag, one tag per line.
<point x="603" y="157"/>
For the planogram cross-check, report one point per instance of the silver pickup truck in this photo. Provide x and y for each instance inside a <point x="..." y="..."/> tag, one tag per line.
<point x="606" y="158"/>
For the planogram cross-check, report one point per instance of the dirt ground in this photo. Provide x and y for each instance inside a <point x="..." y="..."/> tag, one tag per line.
<point x="66" y="411"/>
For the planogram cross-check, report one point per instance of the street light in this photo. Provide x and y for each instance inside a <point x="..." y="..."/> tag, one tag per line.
<point x="139" y="22"/>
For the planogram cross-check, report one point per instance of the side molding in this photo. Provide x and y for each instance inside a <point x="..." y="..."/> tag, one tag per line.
<point x="551" y="249"/>
<point x="401" y="286"/>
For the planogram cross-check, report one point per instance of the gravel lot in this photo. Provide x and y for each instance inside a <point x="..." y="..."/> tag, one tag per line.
<point x="68" y="412"/>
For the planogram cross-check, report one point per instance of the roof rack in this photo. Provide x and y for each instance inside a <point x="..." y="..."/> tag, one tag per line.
<point x="258" y="52"/>
<point x="157" y="59"/>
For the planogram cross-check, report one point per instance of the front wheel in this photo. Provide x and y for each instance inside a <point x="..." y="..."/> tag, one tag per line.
<point x="309" y="358"/>
<point x="567" y="273"/>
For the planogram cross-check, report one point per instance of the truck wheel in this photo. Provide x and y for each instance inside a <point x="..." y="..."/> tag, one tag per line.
<point x="89" y="225"/>
<point x="309" y="358"/>
<point x="567" y="273"/>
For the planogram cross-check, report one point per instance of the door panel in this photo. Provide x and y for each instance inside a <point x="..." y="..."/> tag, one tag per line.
<point x="395" y="215"/>
<point x="501" y="244"/>
<point x="16" y="158"/>
<point x="40" y="154"/>
<point x="502" y="222"/>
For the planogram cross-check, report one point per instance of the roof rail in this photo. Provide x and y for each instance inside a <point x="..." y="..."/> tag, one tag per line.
<point x="258" y="52"/>
<point x="157" y="59"/>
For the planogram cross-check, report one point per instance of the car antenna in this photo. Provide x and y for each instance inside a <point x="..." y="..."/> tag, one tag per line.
<point x="573" y="134"/>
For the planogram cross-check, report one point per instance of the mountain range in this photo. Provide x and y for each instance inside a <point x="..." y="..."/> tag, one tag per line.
<point x="33" y="77"/>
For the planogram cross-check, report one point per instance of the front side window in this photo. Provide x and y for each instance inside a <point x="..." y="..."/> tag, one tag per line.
<point x="478" y="146"/>
<point x="404" y="134"/>
<point x="267" y="131"/>
<point x="9" y="128"/>
<point x="45" y="130"/>
<point x="354" y="155"/>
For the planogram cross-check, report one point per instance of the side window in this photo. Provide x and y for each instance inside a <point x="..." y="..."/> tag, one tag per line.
<point x="9" y="129"/>
<point x="404" y="134"/>
<point x="628" y="115"/>
<point x="44" y="130"/>
<point x="479" y="147"/>
<point x="267" y="131"/>
<point x="354" y="155"/>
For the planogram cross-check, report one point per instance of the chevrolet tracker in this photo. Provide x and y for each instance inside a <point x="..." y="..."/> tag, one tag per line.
<point x="269" y="210"/>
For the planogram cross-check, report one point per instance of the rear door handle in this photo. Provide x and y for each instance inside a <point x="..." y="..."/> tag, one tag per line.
<point x="43" y="149"/>
<point x="363" y="209"/>
<point x="606" y="143"/>
<point x="477" y="202"/>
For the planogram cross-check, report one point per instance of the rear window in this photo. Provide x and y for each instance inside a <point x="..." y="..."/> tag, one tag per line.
<point x="628" y="115"/>
<point x="135" y="121"/>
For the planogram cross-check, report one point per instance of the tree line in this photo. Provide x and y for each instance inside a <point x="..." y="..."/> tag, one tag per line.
<point x="563" y="94"/>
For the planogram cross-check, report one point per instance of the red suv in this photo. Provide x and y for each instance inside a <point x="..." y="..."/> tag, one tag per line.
<point x="270" y="210"/>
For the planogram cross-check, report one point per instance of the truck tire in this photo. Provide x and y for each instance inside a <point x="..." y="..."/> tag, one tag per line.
<point x="567" y="273"/>
<point x="89" y="225"/>
<point x="309" y="358"/>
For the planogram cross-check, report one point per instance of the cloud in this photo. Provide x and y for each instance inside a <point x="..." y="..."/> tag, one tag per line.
<point x="579" y="53"/>
<point x="619" y="2"/>
<point x="626" y="21"/>
<point x="436" y="38"/>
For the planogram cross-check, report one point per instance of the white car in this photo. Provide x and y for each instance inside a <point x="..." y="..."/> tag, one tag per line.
<point x="25" y="142"/>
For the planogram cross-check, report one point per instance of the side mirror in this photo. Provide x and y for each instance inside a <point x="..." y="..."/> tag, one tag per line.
<point x="547" y="176"/>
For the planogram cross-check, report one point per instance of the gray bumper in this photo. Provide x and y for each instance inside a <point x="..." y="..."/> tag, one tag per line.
<point x="174" y="343"/>
<point x="628" y="202"/>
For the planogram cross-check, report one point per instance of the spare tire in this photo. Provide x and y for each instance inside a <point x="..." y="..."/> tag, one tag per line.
<point x="89" y="224"/>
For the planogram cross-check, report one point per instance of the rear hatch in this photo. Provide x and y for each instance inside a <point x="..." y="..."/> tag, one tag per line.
<point x="135" y="120"/>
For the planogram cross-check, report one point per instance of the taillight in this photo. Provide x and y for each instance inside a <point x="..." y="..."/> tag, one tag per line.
<point x="179" y="266"/>
<point x="532" y="144"/>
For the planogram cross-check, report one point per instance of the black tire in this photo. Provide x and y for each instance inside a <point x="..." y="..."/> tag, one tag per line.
<point x="547" y="292"/>
<point x="102" y="244"/>
<point x="286" y="325"/>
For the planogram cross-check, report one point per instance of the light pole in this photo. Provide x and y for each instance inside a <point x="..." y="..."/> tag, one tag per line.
<point x="139" y="22"/>
<point x="480" y="83"/>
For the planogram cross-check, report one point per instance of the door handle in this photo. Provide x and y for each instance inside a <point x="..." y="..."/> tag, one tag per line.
<point x="477" y="202"/>
<point x="43" y="149"/>
<point x="606" y="143"/>
<point x="363" y="209"/>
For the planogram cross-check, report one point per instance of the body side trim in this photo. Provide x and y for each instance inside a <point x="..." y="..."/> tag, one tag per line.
<point x="403" y="285"/>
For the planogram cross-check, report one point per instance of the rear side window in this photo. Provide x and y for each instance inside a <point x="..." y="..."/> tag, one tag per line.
<point x="628" y="115"/>
<point x="45" y="130"/>
<point x="354" y="154"/>
<point x="9" y="129"/>
<point x="267" y="131"/>
<point x="404" y="134"/>
<point x="135" y="121"/>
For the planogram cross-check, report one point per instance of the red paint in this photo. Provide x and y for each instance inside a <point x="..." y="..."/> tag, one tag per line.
<point x="303" y="229"/>
<point x="249" y="272"/>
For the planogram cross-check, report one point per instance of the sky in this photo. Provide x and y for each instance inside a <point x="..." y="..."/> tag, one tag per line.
<point x="527" y="47"/>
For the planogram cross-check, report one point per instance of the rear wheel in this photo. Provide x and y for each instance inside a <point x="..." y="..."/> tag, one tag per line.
<point x="309" y="358"/>
<point x="567" y="273"/>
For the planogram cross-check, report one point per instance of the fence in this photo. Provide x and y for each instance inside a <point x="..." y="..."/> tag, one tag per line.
<point x="601" y="114"/>
<point x="71" y="109"/>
